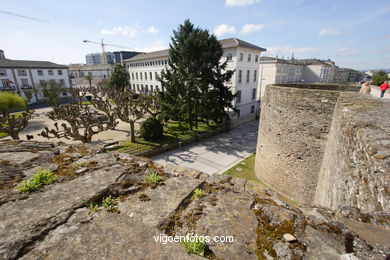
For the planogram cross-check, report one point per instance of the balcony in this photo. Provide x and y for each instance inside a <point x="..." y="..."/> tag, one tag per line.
<point x="26" y="87"/>
<point x="8" y="88"/>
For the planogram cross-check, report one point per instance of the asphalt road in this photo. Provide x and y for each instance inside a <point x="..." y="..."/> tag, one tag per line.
<point x="216" y="154"/>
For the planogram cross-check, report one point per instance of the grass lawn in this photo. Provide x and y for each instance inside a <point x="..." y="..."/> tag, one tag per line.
<point x="172" y="131"/>
<point x="180" y="130"/>
<point x="244" y="169"/>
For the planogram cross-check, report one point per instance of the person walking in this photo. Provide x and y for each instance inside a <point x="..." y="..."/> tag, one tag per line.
<point x="365" y="89"/>
<point x="383" y="88"/>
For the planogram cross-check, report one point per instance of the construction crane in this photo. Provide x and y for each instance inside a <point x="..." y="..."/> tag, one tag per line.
<point x="104" y="56"/>
<point x="24" y="16"/>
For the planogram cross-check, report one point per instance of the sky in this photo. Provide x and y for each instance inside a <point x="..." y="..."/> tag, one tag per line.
<point x="353" y="33"/>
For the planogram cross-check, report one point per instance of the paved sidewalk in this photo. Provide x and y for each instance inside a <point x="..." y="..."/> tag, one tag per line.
<point x="376" y="92"/>
<point x="216" y="154"/>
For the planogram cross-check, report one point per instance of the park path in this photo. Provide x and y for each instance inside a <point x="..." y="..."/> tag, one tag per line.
<point x="217" y="154"/>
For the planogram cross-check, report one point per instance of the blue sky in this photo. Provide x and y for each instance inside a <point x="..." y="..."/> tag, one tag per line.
<point x="353" y="33"/>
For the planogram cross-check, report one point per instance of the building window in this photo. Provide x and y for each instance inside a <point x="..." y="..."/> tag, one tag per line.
<point x="142" y="88"/>
<point x="40" y="72"/>
<point x="50" y="72"/>
<point x="241" y="56"/>
<point x="62" y="82"/>
<point x="59" y="72"/>
<point x="151" y="88"/>
<point x="132" y="75"/>
<point x="256" y="58"/>
<point x="247" y="75"/>
<point x="253" y="93"/>
<point x="249" y="57"/>
<point x="238" y="96"/>
<point x="146" y="88"/>
<point x="42" y="83"/>
<point x="157" y="89"/>
<point x="3" y="73"/>
<point x="22" y="73"/>
<point x="252" y="109"/>
<point x="90" y="73"/>
<point x="5" y="83"/>
<point x="140" y="75"/>
<point x="136" y="75"/>
<point x="24" y="83"/>
<point x="230" y="80"/>
<point x="155" y="75"/>
<point x="151" y="75"/>
<point x="255" y="75"/>
<point x="146" y="76"/>
<point x="239" y="76"/>
<point x="229" y="57"/>
<point x="138" y="87"/>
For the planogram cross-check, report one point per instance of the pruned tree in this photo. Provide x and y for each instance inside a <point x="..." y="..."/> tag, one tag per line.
<point x="101" y="102"/>
<point x="12" y="124"/>
<point x="79" y="121"/>
<point x="129" y="108"/>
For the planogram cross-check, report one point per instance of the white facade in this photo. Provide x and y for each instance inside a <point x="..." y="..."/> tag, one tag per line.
<point x="318" y="71"/>
<point x="243" y="58"/>
<point x="77" y="74"/>
<point x="25" y="77"/>
<point x="274" y="70"/>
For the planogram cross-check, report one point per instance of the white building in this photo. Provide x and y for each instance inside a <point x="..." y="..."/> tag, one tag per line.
<point x="276" y="70"/>
<point x="243" y="58"/>
<point x="99" y="73"/>
<point x="316" y="70"/>
<point x="27" y="77"/>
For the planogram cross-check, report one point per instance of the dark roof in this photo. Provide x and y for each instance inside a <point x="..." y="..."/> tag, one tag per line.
<point x="316" y="62"/>
<point x="29" y="64"/>
<point x="234" y="42"/>
<point x="226" y="43"/>
<point x="266" y="59"/>
<point x="150" y="55"/>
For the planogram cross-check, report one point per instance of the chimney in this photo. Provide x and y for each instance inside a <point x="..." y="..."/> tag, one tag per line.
<point x="2" y="57"/>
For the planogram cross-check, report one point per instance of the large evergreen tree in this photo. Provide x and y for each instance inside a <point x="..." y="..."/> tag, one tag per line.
<point x="194" y="83"/>
<point x="119" y="78"/>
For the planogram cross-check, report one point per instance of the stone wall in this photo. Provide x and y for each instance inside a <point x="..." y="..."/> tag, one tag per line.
<point x="294" y="124"/>
<point x="356" y="166"/>
<point x="325" y="145"/>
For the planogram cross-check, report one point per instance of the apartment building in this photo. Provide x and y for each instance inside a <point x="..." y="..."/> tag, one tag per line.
<point x="276" y="70"/>
<point x="97" y="58"/>
<point x="243" y="58"/>
<point x="316" y="70"/>
<point x="27" y="78"/>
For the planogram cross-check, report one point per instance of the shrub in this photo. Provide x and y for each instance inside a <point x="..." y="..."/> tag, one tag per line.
<point x="198" y="193"/>
<point x="197" y="247"/>
<point x="41" y="178"/>
<point x="153" y="178"/>
<point x="151" y="129"/>
<point x="9" y="100"/>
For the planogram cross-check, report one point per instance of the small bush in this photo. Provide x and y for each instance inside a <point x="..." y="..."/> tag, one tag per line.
<point x="195" y="247"/>
<point x="108" y="203"/>
<point x="9" y="100"/>
<point x="41" y="178"/>
<point x="151" y="129"/>
<point x="198" y="193"/>
<point x="94" y="207"/>
<point x="153" y="178"/>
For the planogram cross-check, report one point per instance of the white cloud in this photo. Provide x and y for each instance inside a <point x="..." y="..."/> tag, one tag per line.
<point x="324" y="32"/>
<point x="381" y="50"/>
<point x="346" y="51"/>
<point x="346" y="42"/>
<point x="224" y="29"/>
<point x="231" y="3"/>
<point x="157" y="46"/>
<point x="288" y="50"/>
<point x="251" y="28"/>
<point x="152" y="30"/>
<point x="130" y="32"/>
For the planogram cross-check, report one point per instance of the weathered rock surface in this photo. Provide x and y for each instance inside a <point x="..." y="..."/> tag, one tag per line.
<point x="60" y="222"/>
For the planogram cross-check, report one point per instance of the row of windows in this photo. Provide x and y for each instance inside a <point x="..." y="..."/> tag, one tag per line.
<point x="142" y="88"/>
<point x="6" y="83"/>
<point x="241" y="57"/>
<point x="134" y="75"/>
<point x="284" y="69"/>
<point x="24" y="72"/>
<point x="238" y="95"/>
<point x="147" y="63"/>
<point x="247" y="75"/>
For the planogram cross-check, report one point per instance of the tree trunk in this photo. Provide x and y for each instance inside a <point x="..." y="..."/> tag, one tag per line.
<point x="132" y="132"/>
<point x="14" y="135"/>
